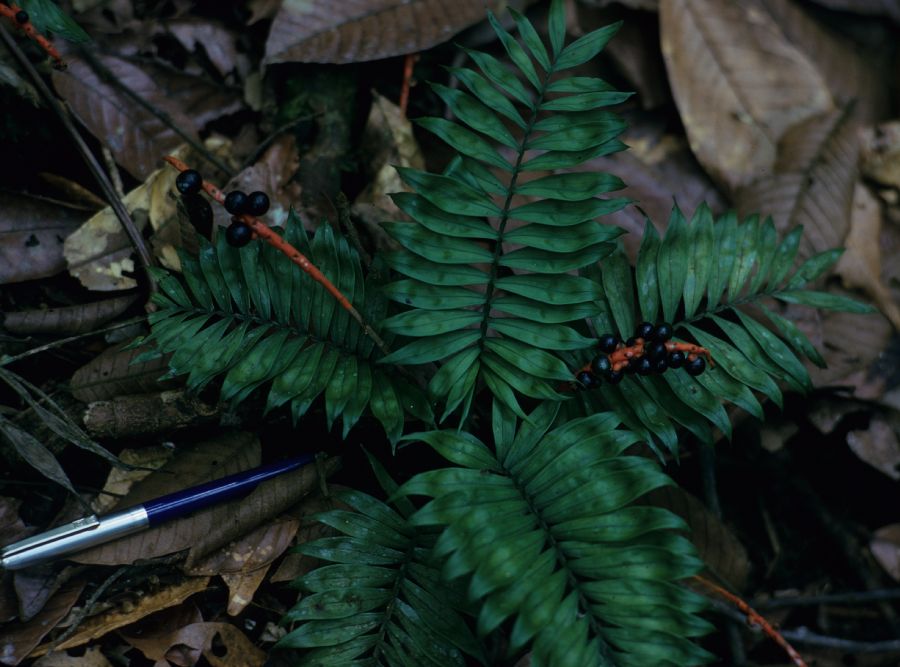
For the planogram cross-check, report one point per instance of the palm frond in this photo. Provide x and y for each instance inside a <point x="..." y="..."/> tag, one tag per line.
<point x="487" y="277"/>
<point x="545" y="531"/>
<point x="712" y="280"/>
<point x="251" y="316"/>
<point x="380" y="600"/>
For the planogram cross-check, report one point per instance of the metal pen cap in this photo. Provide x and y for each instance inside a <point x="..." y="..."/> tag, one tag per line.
<point x="72" y="537"/>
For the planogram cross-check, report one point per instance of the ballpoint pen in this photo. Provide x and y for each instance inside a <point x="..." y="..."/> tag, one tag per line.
<point x="92" y="530"/>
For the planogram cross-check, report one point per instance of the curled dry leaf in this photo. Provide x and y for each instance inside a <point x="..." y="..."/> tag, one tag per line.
<point x="68" y="320"/>
<point x="32" y="232"/>
<point x="738" y="82"/>
<point x="101" y="624"/>
<point x="112" y="373"/>
<point x="323" y="31"/>
<point x="217" y="42"/>
<point x="860" y="266"/>
<point x="885" y="546"/>
<point x="242" y="587"/>
<point x="147" y="414"/>
<point x="135" y="136"/>
<point x="154" y="635"/>
<point x="878" y="445"/>
<point x="722" y="552"/>
<point x="253" y="551"/>
<point x="812" y="182"/>
<point x="17" y="640"/>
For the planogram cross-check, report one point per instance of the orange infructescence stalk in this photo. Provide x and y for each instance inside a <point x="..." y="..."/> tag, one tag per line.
<point x="12" y="13"/>
<point x="625" y="357"/>
<point x="262" y="231"/>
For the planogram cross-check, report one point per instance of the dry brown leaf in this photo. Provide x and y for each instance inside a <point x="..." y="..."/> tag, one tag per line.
<point x="811" y="184"/>
<point x="878" y="445"/>
<point x="253" y="551"/>
<point x="32" y="232"/>
<point x="238" y="650"/>
<point x="120" y="480"/>
<point x="880" y="153"/>
<point x="112" y="374"/>
<point x="68" y="320"/>
<point x="656" y="166"/>
<point x="635" y="51"/>
<point x="387" y="141"/>
<point x="216" y="41"/>
<point x="296" y="564"/>
<point x="203" y="462"/>
<point x="324" y="31"/>
<point x="860" y="266"/>
<point x="851" y="344"/>
<point x="154" y="635"/>
<point x="242" y="587"/>
<point x="97" y="626"/>
<point x="136" y="137"/>
<point x="17" y="640"/>
<point x="147" y="414"/>
<point x="11" y="526"/>
<point x="722" y="552"/>
<point x="853" y="76"/>
<point x="738" y="82"/>
<point x="92" y="657"/>
<point x="885" y="546"/>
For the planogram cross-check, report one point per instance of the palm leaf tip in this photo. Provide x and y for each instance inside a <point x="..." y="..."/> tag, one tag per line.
<point x="521" y="294"/>
<point x="545" y="532"/>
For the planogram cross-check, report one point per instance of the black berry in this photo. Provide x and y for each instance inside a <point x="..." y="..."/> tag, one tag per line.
<point x="660" y="365"/>
<point x="630" y="367"/>
<point x="644" y="330"/>
<point x="614" y="377"/>
<point x="663" y="332"/>
<point x="655" y="351"/>
<point x="601" y="365"/>
<point x="695" y="366"/>
<point x="631" y="342"/>
<point x="21" y="17"/>
<point x="587" y="380"/>
<point x="199" y="213"/>
<point x="236" y="202"/>
<point x="676" y="359"/>
<point x="257" y="203"/>
<point x="238" y="234"/>
<point x="189" y="182"/>
<point x="643" y="366"/>
<point x="608" y="343"/>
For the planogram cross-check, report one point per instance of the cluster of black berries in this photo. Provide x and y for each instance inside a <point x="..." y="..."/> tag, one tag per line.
<point x="646" y="353"/>
<point x="22" y="17"/>
<point x="238" y="234"/>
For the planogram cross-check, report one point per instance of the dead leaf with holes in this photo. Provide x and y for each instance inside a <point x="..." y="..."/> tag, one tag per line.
<point x="32" y="233"/>
<point x="120" y="480"/>
<point x="880" y="153"/>
<point x="92" y="657"/>
<point x="738" y="82"/>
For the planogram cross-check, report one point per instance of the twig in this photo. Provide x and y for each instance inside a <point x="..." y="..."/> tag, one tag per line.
<point x="754" y="618"/>
<point x="261" y="230"/>
<point x="343" y="211"/>
<point x="806" y="636"/>
<point x="857" y="597"/>
<point x="113" y="171"/>
<point x="108" y="77"/>
<point x="269" y="140"/>
<point x="82" y="613"/>
<point x="408" y="63"/>
<point x="61" y="111"/>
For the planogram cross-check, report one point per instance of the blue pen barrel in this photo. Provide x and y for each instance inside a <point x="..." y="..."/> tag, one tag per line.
<point x="200" y="497"/>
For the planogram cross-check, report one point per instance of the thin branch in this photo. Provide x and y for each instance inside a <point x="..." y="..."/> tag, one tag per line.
<point x="805" y="636"/>
<point x="857" y="597"/>
<point x="62" y="112"/>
